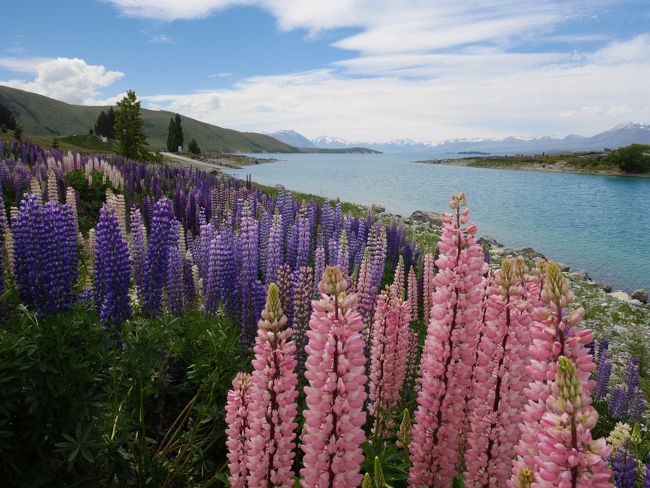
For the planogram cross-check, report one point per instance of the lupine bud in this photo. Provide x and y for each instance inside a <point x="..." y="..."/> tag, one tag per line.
<point x="273" y="405"/>
<point x="238" y="420"/>
<point x="380" y="481"/>
<point x="404" y="432"/>
<point x="302" y="291"/>
<point x="335" y="396"/>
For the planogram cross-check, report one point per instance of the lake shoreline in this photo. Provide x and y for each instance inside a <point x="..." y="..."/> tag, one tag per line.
<point x="490" y="162"/>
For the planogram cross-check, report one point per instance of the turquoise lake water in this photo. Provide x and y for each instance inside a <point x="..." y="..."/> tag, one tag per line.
<point x="597" y="223"/>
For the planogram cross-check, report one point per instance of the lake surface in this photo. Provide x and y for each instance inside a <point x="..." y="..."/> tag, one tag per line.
<point x="597" y="223"/>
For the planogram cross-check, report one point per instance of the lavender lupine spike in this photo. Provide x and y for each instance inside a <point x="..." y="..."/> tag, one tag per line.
<point x="333" y="252"/>
<point x="138" y="246"/>
<point x="274" y="249"/>
<point x="112" y="271"/>
<point x="304" y="239"/>
<point x="211" y="281"/>
<point x="626" y="402"/>
<point x="623" y="465"/>
<point x="302" y="295"/>
<point x="343" y="259"/>
<point x="174" y="286"/>
<point x="319" y="268"/>
<point x="249" y="236"/>
<point x="285" y="280"/>
<point x="155" y="265"/>
<point x="3" y="225"/>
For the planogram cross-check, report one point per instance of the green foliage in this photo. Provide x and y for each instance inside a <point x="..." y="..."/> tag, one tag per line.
<point x="78" y="409"/>
<point x="632" y="159"/>
<point x="193" y="147"/>
<point x="175" y="134"/>
<point x="91" y="196"/>
<point x="105" y="125"/>
<point x="18" y="133"/>
<point x="7" y="119"/>
<point x="129" y="129"/>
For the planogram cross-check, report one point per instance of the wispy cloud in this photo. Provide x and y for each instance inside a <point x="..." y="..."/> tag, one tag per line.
<point x="161" y="39"/>
<point x="68" y="79"/>
<point x="220" y="75"/>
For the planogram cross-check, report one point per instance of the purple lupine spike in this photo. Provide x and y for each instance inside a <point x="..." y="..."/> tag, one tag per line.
<point x="211" y="284"/>
<point x="259" y="297"/>
<point x="274" y="249"/>
<point x="377" y="252"/>
<point x="326" y="224"/>
<point x="292" y="244"/>
<point x="319" y="269"/>
<point x="623" y="466"/>
<point x="25" y="227"/>
<point x="188" y="278"/>
<point x="249" y="235"/>
<point x="138" y="246"/>
<point x="626" y="402"/>
<point x="343" y="259"/>
<point x="332" y="252"/>
<point x="174" y="286"/>
<point x="3" y="224"/>
<point x="265" y="230"/>
<point x="156" y="261"/>
<point x="646" y="482"/>
<point x="112" y="271"/>
<point x="284" y="283"/>
<point x="302" y="294"/>
<point x="304" y="239"/>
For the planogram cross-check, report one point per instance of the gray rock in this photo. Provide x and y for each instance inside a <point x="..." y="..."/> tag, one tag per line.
<point x="490" y="241"/>
<point x="279" y="187"/>
<point x="507" y="251"/>
<point x="605" y="287"/>
<point x="621" y="295"/>
<point x="565" y="268"/>
<point x="582" y="275"/>
<point x="425" y="217"/>
<point x="640" y="294"/>
<point x="377" y="208"/>
<point x="530" y="253"/>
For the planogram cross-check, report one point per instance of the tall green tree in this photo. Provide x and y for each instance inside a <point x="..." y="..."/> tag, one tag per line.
<point x="193" y="147"/>
<point x="7" y="120"/>
<point x="129" y="129"/>
<point x="175" y="134"/>
<point x="105" y="125"/>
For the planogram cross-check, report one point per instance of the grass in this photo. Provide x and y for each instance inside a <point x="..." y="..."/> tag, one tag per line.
<point x="590" y="162"/>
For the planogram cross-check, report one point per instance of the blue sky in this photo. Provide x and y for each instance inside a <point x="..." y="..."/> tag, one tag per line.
<point x="358" y="69"/>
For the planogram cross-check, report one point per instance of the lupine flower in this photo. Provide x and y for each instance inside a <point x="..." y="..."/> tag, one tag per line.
<point x="343" y="259"/>
<point x="52" y="187"/>
<point x="304" y="239"/>
<point x="335" y="396"/>
<point x="249" y="238"/>
<point x="71" y="199"/>
<point x="646" y="481"/>
<point x="626" y="402"/>
<point x="390" y="336"/>
<point x="157" y="258"/>
<point x="427" y="286"/>
<point x="273" y="407"/>
<point x="404" y="432"/>
<point x="398" y="279"/>
<point x="238" y="422"/>
<point x="554" y="334"/>
<point x="301" y="311"/>
<point x="499" y="378"/>
<point x="620" y="435"/>
<point x="45" y="254"/>
<point x="366" y="293"/>
<point x="285" y="282"/>
<point x="319" y="268"/>
<point x="568" y="456"/>
<point x="112" y="271"/>
<point x="274" y="249"/>
<point x="447" y="360"/>
<point x="413" y="293"/>
<point x="174" y="287"/>
<point x="138" y="246"/>
<point x="623" y="466"/>
<point x="603" y="370"/>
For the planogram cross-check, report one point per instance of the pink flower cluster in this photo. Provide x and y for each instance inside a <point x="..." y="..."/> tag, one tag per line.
<point x="390" y="343"/>
<point x="335" y="366"/>
<point x="428" y="272"/>
<point x="498" y="382"/>
<point x="237" y="429"/>
<point x="449" y="352"/>
<point x="554" y="334"/>
<point x="568" y="456"/>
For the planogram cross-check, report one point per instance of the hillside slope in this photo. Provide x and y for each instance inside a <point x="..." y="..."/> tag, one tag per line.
<point x="40" y="115"/>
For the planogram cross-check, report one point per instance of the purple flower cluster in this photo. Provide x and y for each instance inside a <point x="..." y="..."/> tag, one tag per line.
<point x="112" y="271"/>
<point x="603" y="370"/>
<point x="156" y="261"/>
<point x="626" y="402"/>
<point x="45" y="254"/>
<point x="623" y="466"/>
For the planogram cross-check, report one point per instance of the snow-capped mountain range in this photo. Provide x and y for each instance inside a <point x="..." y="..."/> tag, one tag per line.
<point x="621" y="135"/>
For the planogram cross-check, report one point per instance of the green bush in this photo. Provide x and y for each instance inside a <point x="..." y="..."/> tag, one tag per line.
<point x="632" y="159"/>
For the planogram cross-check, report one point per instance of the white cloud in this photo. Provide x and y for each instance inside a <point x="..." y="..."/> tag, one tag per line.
<point x="554" y="94"/>
<point x="68" y="79"/>
<point x="220" y="75"/>
<point x="161" y="39"/>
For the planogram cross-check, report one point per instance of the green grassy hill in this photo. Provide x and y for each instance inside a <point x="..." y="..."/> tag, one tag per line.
<point x="43" y="116"/>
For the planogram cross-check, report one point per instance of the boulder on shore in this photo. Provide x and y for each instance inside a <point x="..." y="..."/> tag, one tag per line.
<point x="377" y="208"/>
<point x="565" y="268"/>
<point x="640" y="294"/>
<point x="606" y="287"/>
<point x="426" y="217"/>
<point x="530" y="253"/>
<point x="490" y="241"/>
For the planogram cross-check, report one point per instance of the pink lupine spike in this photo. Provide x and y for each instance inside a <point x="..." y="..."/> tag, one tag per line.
<point x="448" y="356"/>
<point x="568" y="456"/>
<point x="237" y="427"/>
<point x="273" y="405"/>
<point x="390" y="342"/>
<point x="398" y="279"/>
<point x="428" y="273"/>
<point x="413" y="293"/>
<point x="499" y="378"/>
<point x="554" y="333"/>
<point x="335" y="370"/>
